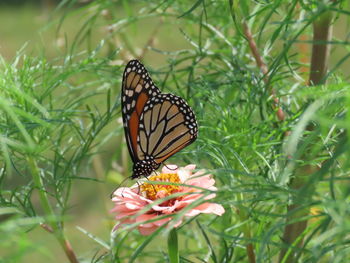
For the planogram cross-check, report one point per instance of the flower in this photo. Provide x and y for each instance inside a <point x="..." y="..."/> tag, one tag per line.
<point x="130" y="201"/>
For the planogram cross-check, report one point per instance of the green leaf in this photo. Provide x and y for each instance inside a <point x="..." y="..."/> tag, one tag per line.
<point x="173" y="247"/>
<point x="192" y="8"/>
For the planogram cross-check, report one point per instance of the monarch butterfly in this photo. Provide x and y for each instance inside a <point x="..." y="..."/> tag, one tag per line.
<point x="156" y="125"/>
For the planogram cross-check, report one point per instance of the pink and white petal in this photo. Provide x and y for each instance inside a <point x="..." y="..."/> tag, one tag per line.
<point x="192" y="196"/>
<point x="190" y="167"/>
<point x="144" y="218"/>
<point x="211" y="196"/>
<point x="204" y="181"/>
<point x="183" y="175"/>
<point x="133" y="206"/>
<point x="159" y="208"/>
<point x="126" y="206"/>
<point x="123" y="209"/>
<point x="162" y="221"/>
<point x="149" y="228"/>
<point x="192" y="212"/>
<point x="125" y="214"/>
<point x="178" y="223"/>
<point x="126" y="194"/>
<point x="186" y="172"/>
<point x="178" y="205"/>
<point x="218" y="209"/>
<point x="119" y="208"/>
<point x="207" y="208"/>
<point x="146" y="231"/>
<point x="123" y="192"/>
<point x="200" y="174"/>
<point x="174" y="224"/>
<point x="170" y="169"/>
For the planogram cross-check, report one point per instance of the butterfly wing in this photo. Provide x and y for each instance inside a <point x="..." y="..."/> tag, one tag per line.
<point x="137" y="89"/>
<point x="167" y="125"/>
<point x="156" y="125"/>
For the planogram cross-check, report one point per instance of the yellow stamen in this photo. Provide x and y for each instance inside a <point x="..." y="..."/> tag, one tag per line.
<point x="151" y="190"/>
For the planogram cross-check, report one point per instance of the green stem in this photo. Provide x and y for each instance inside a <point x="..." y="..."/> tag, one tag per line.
<point x="173" y="247"/>
<point x="44" y="201"/>
<point x="243" y="217"/>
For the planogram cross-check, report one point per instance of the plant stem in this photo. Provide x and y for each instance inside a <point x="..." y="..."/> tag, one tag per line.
<point x="42" y="193"/>
<point x="44" y="201"/>
<point x="243" y="217"/>
<point x="247" y="235"/>
<point x="173" y="247"/>
<point x="151" y="39"/>
<point x="322" y="33"/>
<point x="264" y="69"/>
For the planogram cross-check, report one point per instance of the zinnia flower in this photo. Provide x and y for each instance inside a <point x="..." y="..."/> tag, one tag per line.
<point x="130" y="201"/>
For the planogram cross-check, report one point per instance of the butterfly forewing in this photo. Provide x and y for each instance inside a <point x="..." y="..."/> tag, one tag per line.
<point x="156" y="125"/>
<point x="137" y="89"/>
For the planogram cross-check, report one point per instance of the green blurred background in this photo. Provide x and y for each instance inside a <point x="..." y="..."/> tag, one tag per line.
<point x="30" y="27"/>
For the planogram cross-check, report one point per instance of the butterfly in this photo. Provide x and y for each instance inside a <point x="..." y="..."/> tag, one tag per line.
<point x="156" y="125"/>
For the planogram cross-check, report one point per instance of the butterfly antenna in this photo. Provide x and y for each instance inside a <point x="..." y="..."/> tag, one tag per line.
<point x="139" y="187"/>
<point x="122" y="182"/>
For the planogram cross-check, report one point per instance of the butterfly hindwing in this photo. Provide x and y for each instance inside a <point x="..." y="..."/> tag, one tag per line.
<point x="167" y="125"/>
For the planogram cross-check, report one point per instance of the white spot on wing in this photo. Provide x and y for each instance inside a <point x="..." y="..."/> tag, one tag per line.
<point x="130" y="92"/>
<point x="138" y="88"/>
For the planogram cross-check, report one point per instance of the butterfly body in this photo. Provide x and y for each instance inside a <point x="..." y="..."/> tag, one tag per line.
<point x="156" y="125"/>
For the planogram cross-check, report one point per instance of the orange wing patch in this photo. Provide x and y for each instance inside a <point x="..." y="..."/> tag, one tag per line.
<point x="141" y="101"/>
<point x="134" y="126"/>
<point x="135" y="120"/>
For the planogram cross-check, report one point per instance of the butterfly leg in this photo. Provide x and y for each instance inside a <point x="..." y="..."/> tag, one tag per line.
<point x="169" y="167"/>
<point x="122" y="182"/>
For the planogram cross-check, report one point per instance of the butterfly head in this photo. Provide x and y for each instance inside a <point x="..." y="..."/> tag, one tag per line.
<point x="144" y="168"/>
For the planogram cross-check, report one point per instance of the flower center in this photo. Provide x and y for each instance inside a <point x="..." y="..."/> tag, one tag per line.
<point x="154" y="191"/>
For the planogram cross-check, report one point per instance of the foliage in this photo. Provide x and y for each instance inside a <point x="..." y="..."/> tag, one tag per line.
<point x="59" y="116"/>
